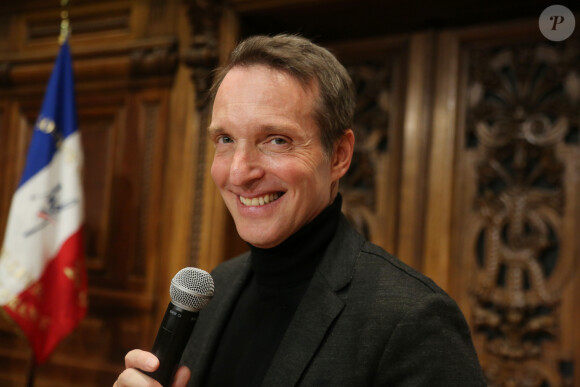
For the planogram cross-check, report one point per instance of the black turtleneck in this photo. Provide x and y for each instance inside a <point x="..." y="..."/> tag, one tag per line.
<point x="278" y="281"/>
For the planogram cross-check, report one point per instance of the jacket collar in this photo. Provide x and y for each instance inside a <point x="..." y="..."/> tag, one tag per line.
<point x="213" y="318"/>
<point x="321" y="305"/>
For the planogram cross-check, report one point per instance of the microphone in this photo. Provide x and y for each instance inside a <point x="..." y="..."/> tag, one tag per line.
<point x="191" y="290"/>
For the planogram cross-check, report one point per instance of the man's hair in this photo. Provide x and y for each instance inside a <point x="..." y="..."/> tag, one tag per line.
<point x="308" y="63"/>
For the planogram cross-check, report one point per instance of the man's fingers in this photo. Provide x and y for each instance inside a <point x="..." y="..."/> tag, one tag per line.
<point x="139" y="360"/>
<point x="142" y="360"/>
<point x="133" y="378"/>
<point x="181" y="377"/>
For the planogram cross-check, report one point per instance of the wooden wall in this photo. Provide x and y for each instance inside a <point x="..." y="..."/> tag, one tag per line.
<point x="506" y="177"/>
<point x="466" y="165"/>
<point x="142" y="174"/>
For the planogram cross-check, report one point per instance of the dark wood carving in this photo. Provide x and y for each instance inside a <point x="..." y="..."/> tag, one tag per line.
<point x="202" y="57"/>
<point x="373" y="83"/>
<point x="158" y="61"/>
<point x="368" y="189"/>
<point x="203" y="54"/>
<point x="523" y="104"/>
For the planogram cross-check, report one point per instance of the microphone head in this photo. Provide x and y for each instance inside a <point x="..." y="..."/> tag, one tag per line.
<point x="191" y="289"/>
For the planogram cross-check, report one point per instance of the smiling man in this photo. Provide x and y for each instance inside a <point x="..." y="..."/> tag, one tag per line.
<point x="313" y="303"/>
<point x="270" y="164"/>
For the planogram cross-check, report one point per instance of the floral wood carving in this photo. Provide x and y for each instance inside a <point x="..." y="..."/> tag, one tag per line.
<point x="523" y="104"/>
<point x="202" y="56"/>
<point x="158" y="61"/>
<point x="373" y="83"/>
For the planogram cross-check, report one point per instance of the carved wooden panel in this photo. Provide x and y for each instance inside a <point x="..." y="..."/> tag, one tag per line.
<point x="516" y="217"/>
<point x="369" y="189"/>
<point x="383" y="190"/>
<point x="99" y="132"/>
<point x="364" y="187"/>
<point x="14" y="137"/>
<point x="124" y="71"/>
<point x="96" y="23"/>
<point x="122" y="148"/>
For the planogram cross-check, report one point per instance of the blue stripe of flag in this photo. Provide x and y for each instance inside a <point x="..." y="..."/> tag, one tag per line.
<point x="59" y="107"/>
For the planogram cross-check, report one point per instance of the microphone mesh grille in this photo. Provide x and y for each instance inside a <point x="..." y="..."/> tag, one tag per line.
<point x="191" y="289"/>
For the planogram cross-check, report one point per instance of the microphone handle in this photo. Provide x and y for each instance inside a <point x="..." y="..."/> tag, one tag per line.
<point x="170" y="342"/>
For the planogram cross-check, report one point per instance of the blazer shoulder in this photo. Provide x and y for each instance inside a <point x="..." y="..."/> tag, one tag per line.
<point x="389" y="287"/>
<point x="352" y="258"/>
<point x="375" y="259"/>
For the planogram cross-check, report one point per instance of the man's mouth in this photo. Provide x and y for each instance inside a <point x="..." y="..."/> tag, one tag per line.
<point x="260" y="200"/>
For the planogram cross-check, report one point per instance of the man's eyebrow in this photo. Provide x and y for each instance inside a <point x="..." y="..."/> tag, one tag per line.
<point x="269" y="129"/>
<point x="213" y="131"/>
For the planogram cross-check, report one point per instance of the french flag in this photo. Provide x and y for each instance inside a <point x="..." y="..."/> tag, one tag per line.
<point x="43" y="282"/>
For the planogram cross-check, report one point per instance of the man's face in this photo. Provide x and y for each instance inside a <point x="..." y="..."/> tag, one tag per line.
<point x="269" y="163"/>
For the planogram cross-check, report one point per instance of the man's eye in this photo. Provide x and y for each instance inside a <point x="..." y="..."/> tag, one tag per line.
<point x="224" y="140"/>
<point x="279" y="141"/>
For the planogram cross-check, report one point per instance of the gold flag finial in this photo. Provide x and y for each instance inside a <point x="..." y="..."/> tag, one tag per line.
<point x="64" y="22"/>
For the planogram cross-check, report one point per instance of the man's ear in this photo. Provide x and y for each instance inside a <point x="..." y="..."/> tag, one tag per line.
<point x="342" y="155"/>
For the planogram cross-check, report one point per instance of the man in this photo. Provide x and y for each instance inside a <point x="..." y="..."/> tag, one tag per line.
<point x="312" y="303"/>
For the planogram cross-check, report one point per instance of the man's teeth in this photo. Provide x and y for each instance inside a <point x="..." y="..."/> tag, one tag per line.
<point x="259" y="201"/>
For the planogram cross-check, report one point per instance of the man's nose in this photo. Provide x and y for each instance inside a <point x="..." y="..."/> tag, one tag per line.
<point x="246" y="165"/>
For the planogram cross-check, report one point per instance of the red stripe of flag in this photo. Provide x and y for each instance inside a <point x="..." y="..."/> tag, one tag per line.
<point x="50" y="308"/>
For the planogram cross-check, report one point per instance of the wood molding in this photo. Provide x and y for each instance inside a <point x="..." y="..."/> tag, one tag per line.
<point x="415" y="152"/>
<point x="370" y="189"/>
<point x="440" y="187"/>
<point x="203" y="53"/>
<point x="214" y="30"/>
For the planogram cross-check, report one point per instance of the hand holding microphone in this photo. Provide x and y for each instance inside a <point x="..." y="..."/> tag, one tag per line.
<point x="191" y="290"/>
<point x="137" y="361"/>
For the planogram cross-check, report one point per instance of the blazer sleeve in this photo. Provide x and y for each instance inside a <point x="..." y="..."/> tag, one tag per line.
<point x="430" y="346"/>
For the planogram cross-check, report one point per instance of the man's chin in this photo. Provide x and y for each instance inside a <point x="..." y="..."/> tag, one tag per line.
<point x="260" y="241"/>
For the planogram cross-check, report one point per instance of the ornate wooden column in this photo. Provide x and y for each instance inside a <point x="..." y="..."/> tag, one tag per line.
<point x="522" y="123"/>
<point x="510" y="107"/>
<point x="212" y="36"/>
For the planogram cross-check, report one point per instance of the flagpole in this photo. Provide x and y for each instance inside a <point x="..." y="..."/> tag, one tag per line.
<point x="64" y="22"/>
<point x="31" y="371"/>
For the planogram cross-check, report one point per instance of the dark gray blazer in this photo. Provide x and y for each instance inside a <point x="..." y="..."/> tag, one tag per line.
<point x="366" y="319"/>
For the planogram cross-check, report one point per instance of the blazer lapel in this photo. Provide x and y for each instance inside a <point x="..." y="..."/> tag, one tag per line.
<point x="319" y="308"/>
<point x="212" y="319"/>
<point x="313" y="318"/>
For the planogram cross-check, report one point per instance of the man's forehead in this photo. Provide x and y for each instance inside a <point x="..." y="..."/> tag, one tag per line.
<point x="308" y="83"/>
